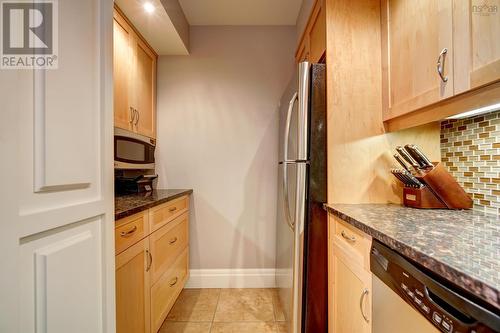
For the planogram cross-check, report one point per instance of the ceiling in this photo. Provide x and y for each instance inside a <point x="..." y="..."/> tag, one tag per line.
<point x="241" y="12"/>
<point x="157" y="28"/>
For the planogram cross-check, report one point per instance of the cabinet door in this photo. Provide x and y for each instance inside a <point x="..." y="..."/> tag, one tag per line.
<point x="477" y="50"/>
<point x="144" y="88"/>
<point x="133" y="289"/>
<point x="166" y="290"/>
<point x="317" y="34"/>
<point x="121" y="72"/>
<point x="167" y="243"/>
<point x="351" y="299"/>
<point x="415" y="34"/>
<point x="303" y="50"/>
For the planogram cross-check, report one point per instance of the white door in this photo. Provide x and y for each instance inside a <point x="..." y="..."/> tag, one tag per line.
<point x="56" y="190"/>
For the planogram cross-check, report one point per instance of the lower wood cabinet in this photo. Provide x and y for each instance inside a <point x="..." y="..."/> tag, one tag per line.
<point x="151" y="266"/>
<point x="166" y="290"/>
<point x="350" y="279"/>
<point x="133" y="289"/>
<point x="352" y="295"/>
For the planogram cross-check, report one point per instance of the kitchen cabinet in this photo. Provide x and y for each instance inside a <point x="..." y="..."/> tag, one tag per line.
<point x="167" y="244"/>
<point x="439" y="58"/>
<point x="152" y="265"/>
<point x="121" y="72"/>
<point x="351" y="303"/>
<point x="312" y="46"/>
<point x="418" y="33"/>
<point x="349" y="278"/>
<point x="475" y="38"/>
<point x="143" y="87"/>
<point x="133" y="289"/>
<point x="134" y="66"/>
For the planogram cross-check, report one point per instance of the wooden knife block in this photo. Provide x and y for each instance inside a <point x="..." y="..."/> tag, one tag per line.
<point x="442" y="191"/>
<point x="421" y="198"/>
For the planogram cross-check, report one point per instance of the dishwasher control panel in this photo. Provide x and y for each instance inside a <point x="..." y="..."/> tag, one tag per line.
<point x="415" y="293"/>
<point x="436" y="309"/>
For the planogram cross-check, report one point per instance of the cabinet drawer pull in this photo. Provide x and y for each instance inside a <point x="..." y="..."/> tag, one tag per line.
<point x="440" y="64"/>
<point x="172" y="209"/>
<point x="349" y="238"/>
<point x="150" y="260"/>
<point x="131" y="115"/>
<point x="138" y="116"/>
<point x="173" y="240"/>
<point x="128" y="233"/>
<point x="361" y="301"/>
<point x="173" y="282"/>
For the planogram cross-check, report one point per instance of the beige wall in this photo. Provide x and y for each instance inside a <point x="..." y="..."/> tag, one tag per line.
<point x="304" y="13"/>
<point x="359" y="149"/>
<point x="217" y="134"/>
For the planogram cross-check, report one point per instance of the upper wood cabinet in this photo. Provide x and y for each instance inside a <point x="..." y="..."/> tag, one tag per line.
<point x="418" y="33"/>
<point x="122" y="55"/>
<point x="134" y="79"/>
<point x="312" y="45"/>
<point x="144" y="87"/>
<point x="435" y="54"/>
<point x="477" y="50"/>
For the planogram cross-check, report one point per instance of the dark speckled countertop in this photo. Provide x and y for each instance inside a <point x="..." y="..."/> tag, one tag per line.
<point x="462" y="247"/>
<point x="126" y="205"/>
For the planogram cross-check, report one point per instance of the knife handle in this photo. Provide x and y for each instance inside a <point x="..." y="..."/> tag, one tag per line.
<point x="400" y="161"/>
<point x="407" y="157"/>
<point x="424" y="158"/>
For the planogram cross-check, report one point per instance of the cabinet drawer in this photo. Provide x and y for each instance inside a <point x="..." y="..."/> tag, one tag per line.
<point x="130" y="230"/>
<point x="166" y="290"/>
<point x="353" y="241"/>
<point x="162" y="214"/>
<point x="167" y="243"/>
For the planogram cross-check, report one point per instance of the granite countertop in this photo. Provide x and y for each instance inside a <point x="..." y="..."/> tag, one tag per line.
<point x="126" y="205"/>
<point x="461" y="246"/>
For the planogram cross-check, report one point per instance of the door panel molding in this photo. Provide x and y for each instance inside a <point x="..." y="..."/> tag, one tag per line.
<point x="39" y="139"/>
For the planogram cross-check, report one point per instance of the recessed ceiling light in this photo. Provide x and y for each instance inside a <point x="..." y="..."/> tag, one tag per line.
<point x="476" y="112"/>
<point x="148" y="7"/>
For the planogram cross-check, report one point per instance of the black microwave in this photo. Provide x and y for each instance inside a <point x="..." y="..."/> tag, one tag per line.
<point x="133" y="151"/>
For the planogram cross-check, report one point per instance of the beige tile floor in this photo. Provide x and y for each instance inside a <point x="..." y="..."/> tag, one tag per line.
<point x="226" y="311"/>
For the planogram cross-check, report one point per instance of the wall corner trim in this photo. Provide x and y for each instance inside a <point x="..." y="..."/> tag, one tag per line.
<point x="232" y="278"/>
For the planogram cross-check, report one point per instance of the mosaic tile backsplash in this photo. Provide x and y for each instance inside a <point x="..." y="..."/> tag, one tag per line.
<point x="470" y="149"/>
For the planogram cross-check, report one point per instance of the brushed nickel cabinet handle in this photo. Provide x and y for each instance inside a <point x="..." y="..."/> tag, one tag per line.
<point x="172" y="209"/>
<point x="150" y="260"/>
<point x="440" y="64"/>
<point x="131" y="115"/>
<point x="173" y="282"/>
<point x="129" y="232"/>
<point x="361" y="301"/>
<point x="173" y="240"/>
<point x="349" y="238"/>
<point x="138" y="116"/>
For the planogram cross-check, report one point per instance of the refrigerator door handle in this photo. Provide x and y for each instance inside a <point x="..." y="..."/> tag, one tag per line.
<point x="291" y="104"/>
<point x="286" y="200"/>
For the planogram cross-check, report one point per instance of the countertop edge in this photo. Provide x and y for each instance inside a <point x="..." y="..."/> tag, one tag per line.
<point x="135" y="210"/>
<point x="462" y="280"/>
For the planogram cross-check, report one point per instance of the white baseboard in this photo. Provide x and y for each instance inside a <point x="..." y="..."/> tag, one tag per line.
<point x="231" y="278"/>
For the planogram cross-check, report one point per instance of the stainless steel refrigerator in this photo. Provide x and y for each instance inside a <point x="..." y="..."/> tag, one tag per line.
<point x="301" y="241"/>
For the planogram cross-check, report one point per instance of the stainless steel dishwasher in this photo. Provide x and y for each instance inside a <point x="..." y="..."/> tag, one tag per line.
<point x="406" y="299"/>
